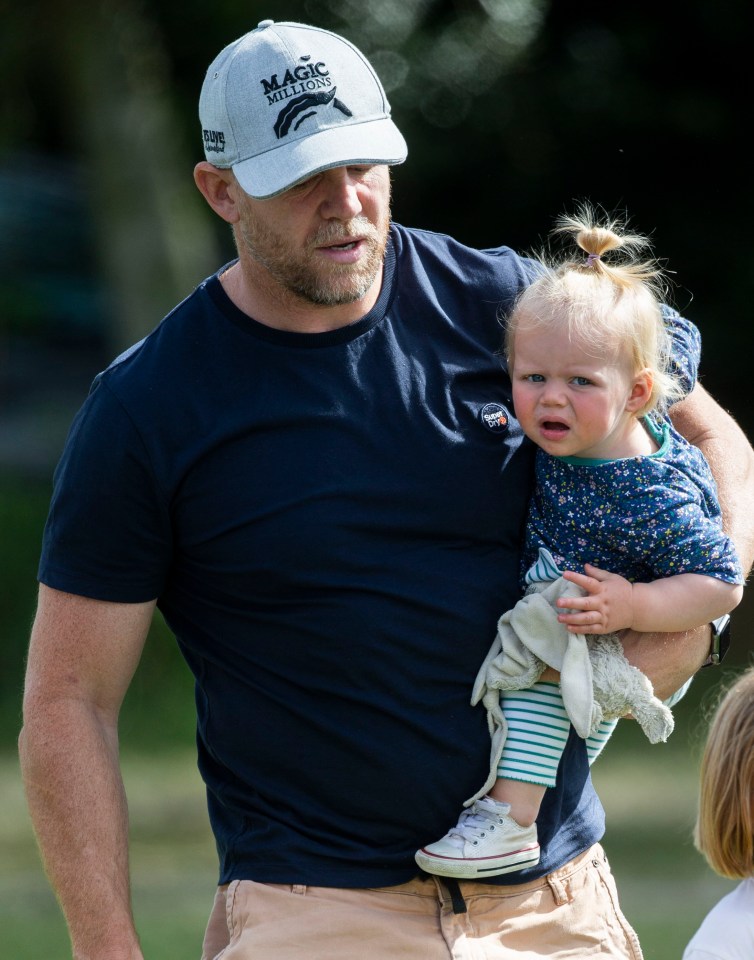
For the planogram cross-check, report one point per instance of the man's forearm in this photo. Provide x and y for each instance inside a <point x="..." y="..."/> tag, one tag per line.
<point x="705" y="424"/>
<point x="668" y="659"/>
<point x="69" y="760"/>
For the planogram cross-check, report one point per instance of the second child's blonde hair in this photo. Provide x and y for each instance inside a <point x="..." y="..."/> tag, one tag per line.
<point x="612" y="304"/>
<point x="724" y="830"/>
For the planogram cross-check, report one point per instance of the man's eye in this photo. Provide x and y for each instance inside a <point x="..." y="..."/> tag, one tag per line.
<point x="304" y="186"/>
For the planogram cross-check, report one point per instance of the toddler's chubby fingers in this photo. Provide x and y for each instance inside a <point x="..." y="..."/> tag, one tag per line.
<point x="590" y="621"/>
<point x="576" y="619"/>
<point x="579" y="618"/>
<point x="587" y="579"/>
<point x="580" y="579"/>
<point x="597" y="573"/>
<point x="573" y="603"/>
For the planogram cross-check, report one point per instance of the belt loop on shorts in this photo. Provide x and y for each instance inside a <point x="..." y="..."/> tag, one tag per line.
<point x="456" y="897"/>
<point x="558" y="888"/>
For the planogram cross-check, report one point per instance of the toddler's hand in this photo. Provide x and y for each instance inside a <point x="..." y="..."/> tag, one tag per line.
<point x="607" y="606"/>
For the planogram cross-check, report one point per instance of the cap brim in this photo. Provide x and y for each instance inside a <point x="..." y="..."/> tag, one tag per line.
<point x="274" y="172"/>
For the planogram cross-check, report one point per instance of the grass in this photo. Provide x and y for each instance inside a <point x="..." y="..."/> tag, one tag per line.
<point x="665" y="886"/>
<point x="649" y="794"/>
<point x="172" y="858"/>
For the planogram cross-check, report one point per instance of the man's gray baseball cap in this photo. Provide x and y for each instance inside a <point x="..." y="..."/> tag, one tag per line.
<point x="288" y="100"/>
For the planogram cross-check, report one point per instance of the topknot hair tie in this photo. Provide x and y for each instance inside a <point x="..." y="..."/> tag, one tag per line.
<point x="591" y="258"/>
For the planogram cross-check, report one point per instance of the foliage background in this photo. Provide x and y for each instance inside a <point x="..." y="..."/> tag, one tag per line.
<point x="514" y="110"/>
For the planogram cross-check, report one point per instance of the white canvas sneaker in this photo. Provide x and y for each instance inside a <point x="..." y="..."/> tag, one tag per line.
<point x="485" y="842"/>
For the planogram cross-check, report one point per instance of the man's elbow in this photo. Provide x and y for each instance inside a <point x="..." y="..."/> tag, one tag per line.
<point x="736" y="595"/>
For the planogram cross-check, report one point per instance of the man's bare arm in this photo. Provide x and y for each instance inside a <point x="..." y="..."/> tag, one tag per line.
<point x="705" y="424"/>
<point x="669" y="659"/>
<point x="82" y="656"/>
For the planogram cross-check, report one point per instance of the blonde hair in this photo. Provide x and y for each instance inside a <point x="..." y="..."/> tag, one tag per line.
<point x="613" y="305"/>
<point x="724" y="831"/>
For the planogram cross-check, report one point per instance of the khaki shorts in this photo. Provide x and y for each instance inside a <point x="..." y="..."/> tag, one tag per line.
<point x="572" y="913"/>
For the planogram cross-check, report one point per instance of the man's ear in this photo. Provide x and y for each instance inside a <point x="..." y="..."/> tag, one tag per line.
<point x="218" y="187"/>
<point x="641" y="391"/>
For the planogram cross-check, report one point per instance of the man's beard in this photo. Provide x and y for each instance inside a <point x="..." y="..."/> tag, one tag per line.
<point x="312" y="279"/>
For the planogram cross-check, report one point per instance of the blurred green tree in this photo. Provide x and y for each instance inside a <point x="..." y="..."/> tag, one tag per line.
<point x="513" y="109"/>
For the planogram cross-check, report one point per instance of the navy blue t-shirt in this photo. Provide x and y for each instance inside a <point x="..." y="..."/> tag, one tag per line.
<point x="332" y="524"/>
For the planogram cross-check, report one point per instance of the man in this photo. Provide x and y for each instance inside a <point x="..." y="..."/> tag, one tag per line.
<point x="311" y="466"/>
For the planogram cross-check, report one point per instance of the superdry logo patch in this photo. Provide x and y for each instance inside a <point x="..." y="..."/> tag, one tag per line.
<point x="307" y="88"/>
<point x="214" y="141"/>
<point x="495" y="417"/>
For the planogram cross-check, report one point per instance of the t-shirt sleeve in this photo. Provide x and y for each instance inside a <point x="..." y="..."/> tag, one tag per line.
<point x="681" y="538"/>
<point x="107" y="534"/>
<point x="686" y="348"/>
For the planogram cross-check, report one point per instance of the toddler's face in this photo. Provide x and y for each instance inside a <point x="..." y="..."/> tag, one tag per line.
<point x="572" y="403"/>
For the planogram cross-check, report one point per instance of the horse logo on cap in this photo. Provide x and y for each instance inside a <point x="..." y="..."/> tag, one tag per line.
<point x="307" y="105"/>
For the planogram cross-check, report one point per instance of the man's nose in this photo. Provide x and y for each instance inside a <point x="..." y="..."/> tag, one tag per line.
<point x="340" y="195"/>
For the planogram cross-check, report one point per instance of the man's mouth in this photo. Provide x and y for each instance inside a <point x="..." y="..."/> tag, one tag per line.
<point x="345" y="251"/>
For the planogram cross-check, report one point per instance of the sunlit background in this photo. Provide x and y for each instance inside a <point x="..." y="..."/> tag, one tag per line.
<point x="514" y="110"/>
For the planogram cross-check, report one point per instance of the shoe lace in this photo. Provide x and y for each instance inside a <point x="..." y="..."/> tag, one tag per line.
<point x="475" y="822"/>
